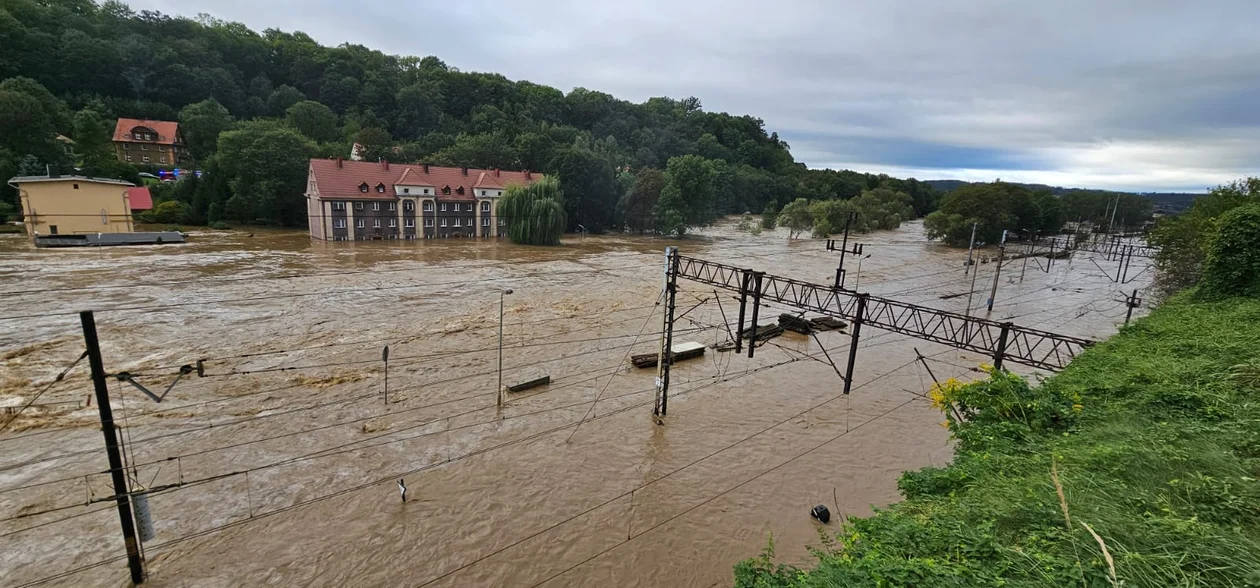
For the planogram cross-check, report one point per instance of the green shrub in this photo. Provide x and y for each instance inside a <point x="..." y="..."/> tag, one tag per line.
<point x="220" y="226"/>
<point x="1146" y="444"/>
<point x="170" y="212"/>
<point x="1232" y="266"/>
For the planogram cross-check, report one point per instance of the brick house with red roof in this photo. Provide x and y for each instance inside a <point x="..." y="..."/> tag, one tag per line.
<point x="153" y="142"/>
<point x="362" y="200"/>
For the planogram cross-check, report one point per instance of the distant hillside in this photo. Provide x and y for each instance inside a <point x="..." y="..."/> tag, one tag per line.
<point x="1164" y="201"/>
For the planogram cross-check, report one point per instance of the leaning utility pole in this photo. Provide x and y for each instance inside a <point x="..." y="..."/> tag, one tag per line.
<point x="113" y="449"/>
<point x="844" y="250"/>
<point x="858" y="319"/>
<point x="971" y="247"/>
<point x="997" y="272"/>
<point x="972" y="290"/>
<point x="1133" y="302"/>
<point x="1024" y="270"/>
<point x="666" y="357"/>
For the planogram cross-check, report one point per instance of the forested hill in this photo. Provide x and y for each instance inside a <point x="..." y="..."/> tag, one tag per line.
<point x="1166" y="201"/>
<point x="254" y="106"/>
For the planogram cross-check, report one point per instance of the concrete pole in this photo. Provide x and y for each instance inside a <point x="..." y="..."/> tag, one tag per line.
<point x="971" y="248"/>
<point x="997" y="272"/>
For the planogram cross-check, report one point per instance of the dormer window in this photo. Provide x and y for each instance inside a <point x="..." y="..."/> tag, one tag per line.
<point x="446" y="189"/>
<point x="380" y="188"/>
<point x="363" y="187"/>
<point x="459" y="190"/>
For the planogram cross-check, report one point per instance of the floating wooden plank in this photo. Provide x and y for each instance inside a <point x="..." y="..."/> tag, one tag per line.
<point x="536" y="382"/>
<point x="762" y="332"/>
<point x="827" y="323"/>
<point x="681" y="351"/>
<point x="795" y="324"/>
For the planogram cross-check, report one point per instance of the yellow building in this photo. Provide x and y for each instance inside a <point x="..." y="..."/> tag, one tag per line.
<point x="73" y="205"/>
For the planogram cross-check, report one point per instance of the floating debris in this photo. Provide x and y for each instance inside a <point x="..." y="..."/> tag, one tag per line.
<point x="827" y="323"/>
<point x="821" y="514"/>
<point x="534" y="383"/>
<point x="762" y="332"/>
<point x="680" y="352"/>
<point x="796" y="324"/>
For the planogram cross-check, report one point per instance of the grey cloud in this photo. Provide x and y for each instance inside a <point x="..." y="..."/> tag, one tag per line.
<point x="1105" y="92"/>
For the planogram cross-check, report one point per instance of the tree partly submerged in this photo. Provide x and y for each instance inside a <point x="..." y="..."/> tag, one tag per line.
<point x="535" y="213"/>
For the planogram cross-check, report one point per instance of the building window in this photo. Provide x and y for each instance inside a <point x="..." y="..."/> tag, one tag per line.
<point x="376" y="206"/>
<point x="393" y="223"/>
<point x="393" y="206"/>
<point x="457" y="222"/>
<point x="127" y="146"/>
<point x="502" y="222"/>
<point x="406" y="190"/>
<point x="483" y="192"/>
<point x="339" y="206"/>
<point x="376" y="223"/>
<point x="426" y="190"/>
<point x="76" y="186"/>
<point x="409" y="206"/>
<point x="444" y="222"/>
<point x="428" y="222"/>
<point x="485" y="221"/>
<point x="161" y="159"/>
<point x="446" y="189"/>
<point x="339" y="223"/>
<point x="428" y="207"/>
<point x="358" y="206"/>
<point x="380" y="188"/>
<point x="409" y="223"/>
<point x="485" y="207"/>
<point x="459" y="190"/>
<point x="144" y="147"/>
<point x="363" y="187"/>
<point x="443" y="207"/>
<point x="163" y="149"/>
<point x="128" y="157"/>
<point x="146" y="159"/>
<point x="358" y="223"/>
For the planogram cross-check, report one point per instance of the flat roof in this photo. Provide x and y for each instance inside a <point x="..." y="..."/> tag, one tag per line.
<point x="33" y="179"/>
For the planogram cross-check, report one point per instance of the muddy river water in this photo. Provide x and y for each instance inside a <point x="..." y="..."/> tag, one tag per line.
<point x="281" y="465"/>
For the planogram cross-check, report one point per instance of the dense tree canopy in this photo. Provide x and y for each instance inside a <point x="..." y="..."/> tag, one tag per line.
<point x="1184" y="241"/>
<point x="64" y="57"/>
<point x="993" y="208"/>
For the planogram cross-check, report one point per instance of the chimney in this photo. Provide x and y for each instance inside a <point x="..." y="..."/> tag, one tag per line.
<point x="385" y="164"/>
<point x="496" y="172"/>
<point x="338" y="163"/>
<point x="426" y="168"/>
<point x="465" y="168"/>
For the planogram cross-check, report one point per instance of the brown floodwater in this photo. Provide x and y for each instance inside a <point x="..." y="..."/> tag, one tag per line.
<point x="291" y="333"/>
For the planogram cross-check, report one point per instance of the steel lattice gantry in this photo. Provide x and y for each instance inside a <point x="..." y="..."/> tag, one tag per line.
<point x="1001" y="341"/>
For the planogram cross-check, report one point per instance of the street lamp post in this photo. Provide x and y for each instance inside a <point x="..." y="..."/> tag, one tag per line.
<point x="501" y="295"/>
<point x="859" y="274"/>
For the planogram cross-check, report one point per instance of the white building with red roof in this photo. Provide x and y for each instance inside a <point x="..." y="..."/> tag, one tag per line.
<point x="360" y="200"/>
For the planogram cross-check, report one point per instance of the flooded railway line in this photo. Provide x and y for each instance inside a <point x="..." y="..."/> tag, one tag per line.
<point x="522" y="495"/>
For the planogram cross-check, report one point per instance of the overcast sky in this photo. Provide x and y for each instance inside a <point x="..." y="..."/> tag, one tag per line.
<point x="1123" y="94"/>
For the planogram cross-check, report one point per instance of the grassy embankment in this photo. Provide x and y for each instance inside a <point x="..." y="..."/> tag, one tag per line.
<point x="1151" y="440"/>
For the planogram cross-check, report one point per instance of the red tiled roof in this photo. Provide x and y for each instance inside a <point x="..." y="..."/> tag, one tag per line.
<point x="341" y="179"/>
<point x="167" y="131"/>
<point x="140" y="198"/>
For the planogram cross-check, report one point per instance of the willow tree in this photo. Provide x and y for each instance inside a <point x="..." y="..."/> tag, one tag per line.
<point x="535" y="213"/>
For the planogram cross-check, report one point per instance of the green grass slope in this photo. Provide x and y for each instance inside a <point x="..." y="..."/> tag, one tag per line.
<point x="1136" y="466"/>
